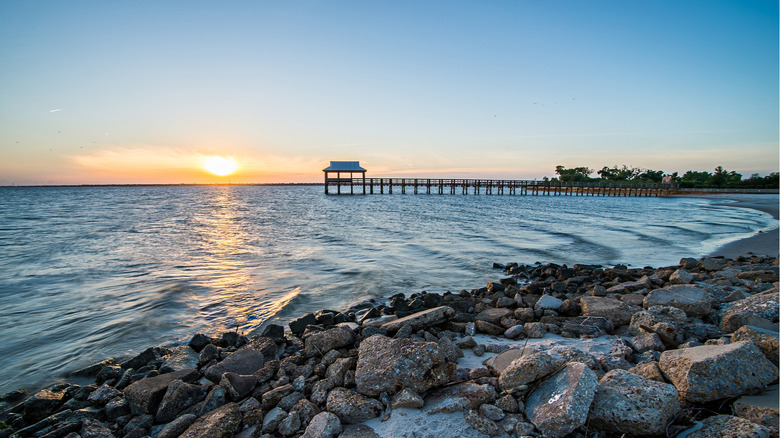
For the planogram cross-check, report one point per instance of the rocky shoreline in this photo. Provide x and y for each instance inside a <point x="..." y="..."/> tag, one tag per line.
<point x="545" y="350"/>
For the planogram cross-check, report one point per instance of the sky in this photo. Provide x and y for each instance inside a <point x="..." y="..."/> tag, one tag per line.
<point x="96" y="92"/>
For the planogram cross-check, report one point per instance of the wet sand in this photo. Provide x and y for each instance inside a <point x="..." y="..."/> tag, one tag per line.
<point x="764" y="243"/>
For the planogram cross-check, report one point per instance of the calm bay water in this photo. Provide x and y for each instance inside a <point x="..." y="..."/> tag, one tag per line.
<point x="88" y="273"/>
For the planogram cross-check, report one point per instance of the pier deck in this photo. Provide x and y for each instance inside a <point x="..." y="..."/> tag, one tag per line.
<point x="452" y="186"/>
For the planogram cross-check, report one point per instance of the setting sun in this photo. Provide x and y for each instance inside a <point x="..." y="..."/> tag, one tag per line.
<point x="220" y="166"/>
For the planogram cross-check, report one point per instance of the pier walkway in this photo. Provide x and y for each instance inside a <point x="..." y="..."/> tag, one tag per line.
<point x="441" y="186"/>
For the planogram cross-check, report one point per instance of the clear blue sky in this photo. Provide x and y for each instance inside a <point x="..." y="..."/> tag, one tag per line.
<point x="134" y="92"/>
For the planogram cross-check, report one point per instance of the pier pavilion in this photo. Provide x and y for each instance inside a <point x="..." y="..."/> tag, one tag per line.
<point x="339" y="167"/>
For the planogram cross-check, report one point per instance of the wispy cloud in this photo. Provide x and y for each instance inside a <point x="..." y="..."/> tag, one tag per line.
<point x="55" y="110"/>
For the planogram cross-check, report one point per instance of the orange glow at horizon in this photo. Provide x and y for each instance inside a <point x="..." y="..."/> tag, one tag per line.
<point x="219" y="166"/>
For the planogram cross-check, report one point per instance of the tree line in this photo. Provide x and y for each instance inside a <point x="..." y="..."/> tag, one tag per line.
<point x="719" y="178"/>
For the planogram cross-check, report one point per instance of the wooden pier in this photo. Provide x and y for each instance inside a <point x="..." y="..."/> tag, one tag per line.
<point x="442" y="186"/>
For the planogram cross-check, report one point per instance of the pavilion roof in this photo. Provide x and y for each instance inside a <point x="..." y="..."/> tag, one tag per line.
<point x="344" y="166"/>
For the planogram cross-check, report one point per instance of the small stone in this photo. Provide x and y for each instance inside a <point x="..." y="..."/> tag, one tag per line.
<point x="648" y="370"/>
<point x="103" y="395"/>
<point x="514" y="332"/>
<point x="219" y="423"/>
<point x="482" y="424"/>
<point x="177" y="426"/>
<point x="681" y="276"/>
<point x="492" y="412"/>
<point x="548" y="302"/>
<point x="407" y="398"/>
<point x="535" y="330"/>
<point x="459" y="397"/>
<point x="290" y="425"/>
<point x="488" y="328"/>
<point x="323" y="425"/>
<point x="298" y="325"/>
<point x="272" y="419"/>
<point x="508" y="403"/>
<point x="729" y="426"/>
<point x="648" y="341"/>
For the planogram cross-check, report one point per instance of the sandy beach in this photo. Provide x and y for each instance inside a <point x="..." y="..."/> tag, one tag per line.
<point x="764" y="243"/>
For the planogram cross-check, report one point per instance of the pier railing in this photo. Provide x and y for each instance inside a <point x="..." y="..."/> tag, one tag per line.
<point x="452" y="186"/>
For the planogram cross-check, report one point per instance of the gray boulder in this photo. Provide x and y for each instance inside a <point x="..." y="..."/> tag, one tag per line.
<point x="561" y="403"/>
<point x="765" y="305"/>
<point x="351" y="407"/>
<point x="178" y="397"/>
<point x="713" y="372"/>
<point x="389" y="365"/>
<point x="420" y="320"/>
<point x="177" y="426"/>
<point x="219" y="423"/>
<point x="765" y="340"/>
<point x="460" y="397"/>
<point x="693" y="300"/>
<point x="616" y="311"/>
<point x="626" y="403"/>
<point x="146" y="394"/>
<point x="493" y="315"/>
<point x="323" y="425"/>
<point x="527" y="369"/>
<point x="243" y="361"/>
<point x="320" y="343"/>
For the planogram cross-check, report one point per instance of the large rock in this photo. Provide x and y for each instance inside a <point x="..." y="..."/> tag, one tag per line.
<point x="527" y="369"/>
<point x="320" y="343"/>
<point x="243" y="361"/>
<point x="764" y="305"/>
<point x="727" y="426"/>
<point x="421" y="320"/>
<point x="42" y="404"/>
<point x="713" y="372"/>
<point x="692" y="300"/>
<point x="145" y="395"/>
<point x="389" y="365"/>
<point x="178" y="397"/>
<point x="765" y="340"/>
<point x="351" y="407"/>
<point x="617" y="311"/>
<point x="219" y="423"/>
<point x="561" y="403"/>
<point x="626" y="403"/>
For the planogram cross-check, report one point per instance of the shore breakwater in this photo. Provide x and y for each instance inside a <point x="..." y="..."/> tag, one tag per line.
<point x="544" y="349"/>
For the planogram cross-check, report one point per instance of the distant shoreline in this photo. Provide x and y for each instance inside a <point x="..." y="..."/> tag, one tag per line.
<point x="163" y="185"/>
